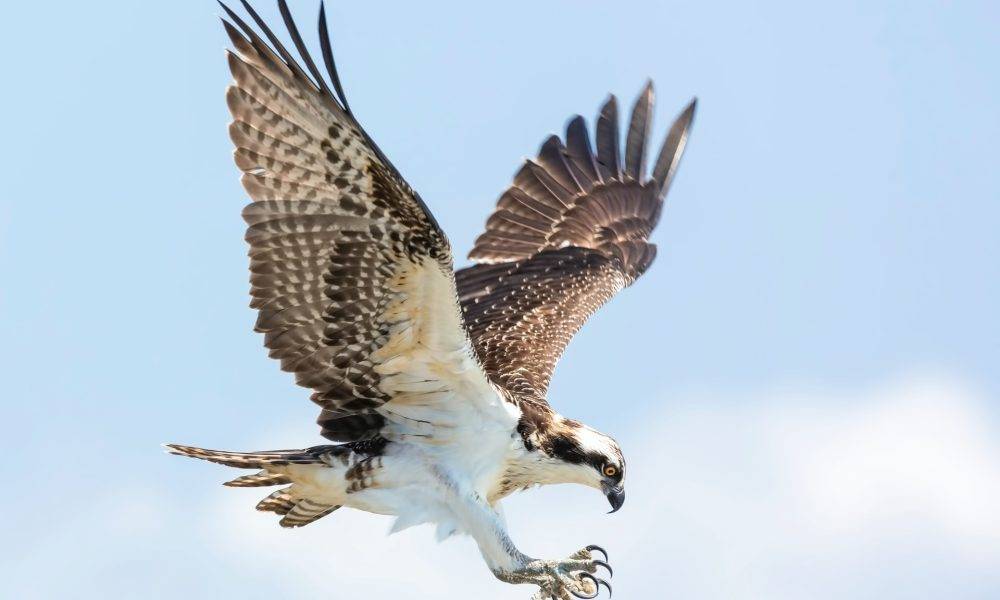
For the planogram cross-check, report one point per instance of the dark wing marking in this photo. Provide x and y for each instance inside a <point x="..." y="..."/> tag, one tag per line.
<point x="570" y="232"/>
<point x="521" y="315"/>
<point x="350" y="273"/>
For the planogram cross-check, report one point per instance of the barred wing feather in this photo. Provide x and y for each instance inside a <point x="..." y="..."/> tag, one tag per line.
<point x="350" y="273"/>
<point x="569" y="233"/>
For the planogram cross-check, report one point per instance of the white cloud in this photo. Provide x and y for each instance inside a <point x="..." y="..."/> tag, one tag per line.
<point x="890" y="493"/>
<point x="921" y="449"/>
<point x="858" y="493"/>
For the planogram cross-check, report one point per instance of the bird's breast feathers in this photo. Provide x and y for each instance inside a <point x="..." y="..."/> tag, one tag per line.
<point x="427" y="366"/>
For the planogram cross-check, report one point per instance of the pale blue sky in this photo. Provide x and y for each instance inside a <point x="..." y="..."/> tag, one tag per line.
<point x="829" y="263"/>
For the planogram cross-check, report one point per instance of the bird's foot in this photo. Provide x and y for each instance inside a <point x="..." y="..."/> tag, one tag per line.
<point x="564" y="579"/>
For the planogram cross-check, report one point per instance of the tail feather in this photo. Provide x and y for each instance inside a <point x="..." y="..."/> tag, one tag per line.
<point x="252" y="460"/>
<point x="280" y="502"/>
<point x="261" y="479"/>
<point x="295" y="510"/>
<point x="305" y="512"/>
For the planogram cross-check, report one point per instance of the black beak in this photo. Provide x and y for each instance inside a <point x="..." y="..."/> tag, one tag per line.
<point x="616" y="497"/>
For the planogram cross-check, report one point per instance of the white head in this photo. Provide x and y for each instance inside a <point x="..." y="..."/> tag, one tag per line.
<point x="574" y="453"/>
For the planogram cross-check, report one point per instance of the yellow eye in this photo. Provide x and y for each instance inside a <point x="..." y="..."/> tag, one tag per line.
<point x="610" y="471"/>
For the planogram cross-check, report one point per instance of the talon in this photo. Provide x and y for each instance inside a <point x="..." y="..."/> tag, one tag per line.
<point x="594" y="547"/>
<point x="597" y="586"/>
<point x="601" y="563"/>
<point x="606" y="584"/>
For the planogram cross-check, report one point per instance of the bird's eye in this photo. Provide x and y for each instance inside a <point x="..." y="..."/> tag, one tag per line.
<point x="610" y="471"/>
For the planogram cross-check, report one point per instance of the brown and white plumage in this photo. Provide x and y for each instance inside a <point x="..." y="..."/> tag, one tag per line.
<point x="350" y="274"/>
<point x="435" y="379"/>
<point x="566" y="236"/>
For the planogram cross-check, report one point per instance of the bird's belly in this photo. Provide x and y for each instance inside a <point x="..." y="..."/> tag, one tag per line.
<point x="445" y="476"/>
<point x="412" y="503"/>
<point x="416" y="484"/>
<point x="393" y="483"/>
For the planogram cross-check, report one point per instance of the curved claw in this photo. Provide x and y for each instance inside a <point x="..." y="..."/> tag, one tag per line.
<point x="594" y="547"/>
<point x="601" y="563"/>
<point x="597" y="587"/>
<point x="606" y="584"/>
<point x="598" y="582"/>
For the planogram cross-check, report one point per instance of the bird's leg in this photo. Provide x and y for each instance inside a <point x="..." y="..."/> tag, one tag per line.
<point x="563" y="579"/>
<point x="556" y="579"/>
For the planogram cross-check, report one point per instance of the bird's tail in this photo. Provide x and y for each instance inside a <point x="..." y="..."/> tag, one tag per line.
<point x="296" y="511"/>
<point x="254" y="460"/>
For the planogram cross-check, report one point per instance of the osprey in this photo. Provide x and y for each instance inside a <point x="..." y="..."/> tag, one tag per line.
<point x="432" y="381"/>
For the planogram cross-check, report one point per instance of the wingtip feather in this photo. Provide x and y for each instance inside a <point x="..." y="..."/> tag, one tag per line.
<point x="608" y="151"/>
<point x="673" y="147"/>
<point x="331" y="66"/>
<point x="638" y="133"/>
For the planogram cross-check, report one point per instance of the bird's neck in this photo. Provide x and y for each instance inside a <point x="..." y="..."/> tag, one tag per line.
<point x="532" y="462"/>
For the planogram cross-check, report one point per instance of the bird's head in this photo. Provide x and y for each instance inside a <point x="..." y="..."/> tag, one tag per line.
<point x="586" y="456"/>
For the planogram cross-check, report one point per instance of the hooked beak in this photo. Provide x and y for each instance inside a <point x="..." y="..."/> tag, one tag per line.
<point x="615" y="496"/>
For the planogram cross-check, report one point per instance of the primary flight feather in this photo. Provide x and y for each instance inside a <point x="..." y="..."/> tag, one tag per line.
<point x="433" y="380"/>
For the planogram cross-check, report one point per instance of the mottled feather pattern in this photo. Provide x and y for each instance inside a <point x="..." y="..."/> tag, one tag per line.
<point x="279" y="501"/>
<point x="434" y="379"/>
<point x="352" y="276"/>
<point x="305" y="512"/>
<point x="570" y="232"/>
<point x="315" y="455"/>
<point x="523" y="314"/>
<point x="337" y="239"/>
<point x="295" y="511"/>
<point x="324" y="454"/>
<point x="358" y="461"/>
<point x="260" y="479"/>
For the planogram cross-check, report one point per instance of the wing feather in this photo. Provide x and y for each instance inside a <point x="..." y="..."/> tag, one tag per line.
<point x="638" y="134"/>
<point x="571" y="231"/>
<point x="351" y="276"/>
<point x="579" y="151"/>
<point x="673" y="148"/>
<point x="607" y="140"/>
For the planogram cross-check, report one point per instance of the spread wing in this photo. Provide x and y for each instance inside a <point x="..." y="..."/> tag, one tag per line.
<point x="571" y="231"/>
<point x="350" y="273"/>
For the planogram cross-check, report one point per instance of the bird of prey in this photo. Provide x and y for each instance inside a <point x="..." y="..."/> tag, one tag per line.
<point x="431" y="382"/>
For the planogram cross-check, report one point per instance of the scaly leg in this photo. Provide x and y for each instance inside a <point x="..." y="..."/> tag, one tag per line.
<point x="559" y="579"/>
<point x="556" y="579"/>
